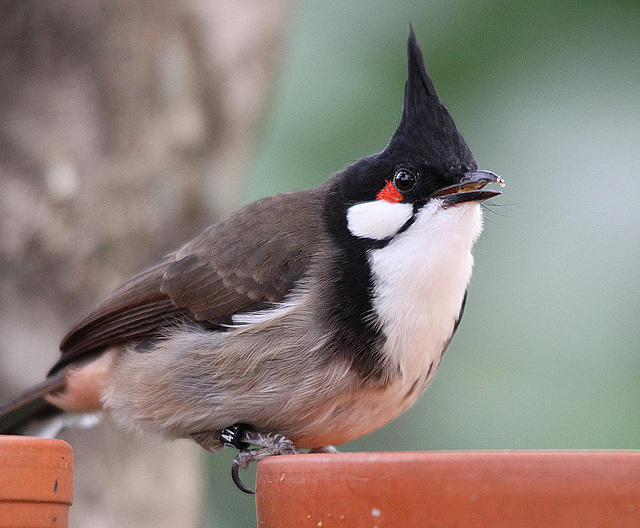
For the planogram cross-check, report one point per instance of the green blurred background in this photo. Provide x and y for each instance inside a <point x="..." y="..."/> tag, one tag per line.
<point x="547" y="94"/>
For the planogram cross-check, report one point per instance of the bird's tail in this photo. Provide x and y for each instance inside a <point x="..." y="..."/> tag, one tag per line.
<point x="30" y="413"/>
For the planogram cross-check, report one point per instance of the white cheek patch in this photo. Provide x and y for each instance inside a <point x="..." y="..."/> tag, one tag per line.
<point x="378" y="219"/>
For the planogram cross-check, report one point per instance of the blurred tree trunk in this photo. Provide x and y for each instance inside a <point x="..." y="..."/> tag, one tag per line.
<point x="125" y="128"/>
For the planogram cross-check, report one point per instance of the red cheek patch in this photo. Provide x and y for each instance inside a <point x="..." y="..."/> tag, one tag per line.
<point x="389" y="194"/>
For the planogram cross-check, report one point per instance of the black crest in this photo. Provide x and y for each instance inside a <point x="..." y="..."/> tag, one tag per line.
<point x="426" y="129"/>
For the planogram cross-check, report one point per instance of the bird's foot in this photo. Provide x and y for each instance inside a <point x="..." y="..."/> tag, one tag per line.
<point x="242" y="437"/>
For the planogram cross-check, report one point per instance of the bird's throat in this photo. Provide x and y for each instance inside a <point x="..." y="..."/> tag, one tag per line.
<point x="420" y="281"/>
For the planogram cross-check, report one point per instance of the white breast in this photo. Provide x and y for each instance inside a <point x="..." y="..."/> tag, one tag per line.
<point x="420" y="279"/>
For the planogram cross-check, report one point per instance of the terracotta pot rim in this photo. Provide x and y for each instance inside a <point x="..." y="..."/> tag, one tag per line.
<point x="35" y="469"/>
<point x="514" y="488"/>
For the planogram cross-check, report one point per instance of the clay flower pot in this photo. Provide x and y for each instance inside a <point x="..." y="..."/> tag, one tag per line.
<point x="586" y="489"/>
<point x="36" y="482"/>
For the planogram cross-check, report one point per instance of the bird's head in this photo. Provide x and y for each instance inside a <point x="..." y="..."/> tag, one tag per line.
<point x="427" y="161"/>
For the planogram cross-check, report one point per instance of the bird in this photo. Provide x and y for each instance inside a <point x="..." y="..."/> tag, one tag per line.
<point x="300" y="321"/>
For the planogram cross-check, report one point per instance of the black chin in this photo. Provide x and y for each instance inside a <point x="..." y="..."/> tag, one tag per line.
<point x="449" y="200"/>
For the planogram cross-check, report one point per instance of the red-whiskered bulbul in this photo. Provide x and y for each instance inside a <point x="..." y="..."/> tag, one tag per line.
<point x="302" y="320"/>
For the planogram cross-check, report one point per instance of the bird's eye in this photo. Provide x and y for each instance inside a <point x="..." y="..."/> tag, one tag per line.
<point x="404" y="180"/>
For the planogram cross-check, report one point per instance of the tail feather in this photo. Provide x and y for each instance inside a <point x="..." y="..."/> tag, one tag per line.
<point x="17" y="414"/>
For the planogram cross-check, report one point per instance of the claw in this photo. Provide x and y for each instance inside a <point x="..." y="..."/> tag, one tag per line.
<point x="235" y="468"/>
<point x="242" y="437"/>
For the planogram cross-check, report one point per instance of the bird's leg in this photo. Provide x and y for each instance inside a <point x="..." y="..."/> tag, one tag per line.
<point x="242" y="437"/>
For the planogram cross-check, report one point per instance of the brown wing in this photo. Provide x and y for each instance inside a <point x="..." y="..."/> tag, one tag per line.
<point x="251" y="259"/>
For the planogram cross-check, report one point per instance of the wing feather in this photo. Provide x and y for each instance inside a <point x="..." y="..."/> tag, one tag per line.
<point x="249" y="260"/>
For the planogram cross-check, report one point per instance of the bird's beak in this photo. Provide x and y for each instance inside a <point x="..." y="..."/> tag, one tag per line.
<point x="469" y="188"/>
